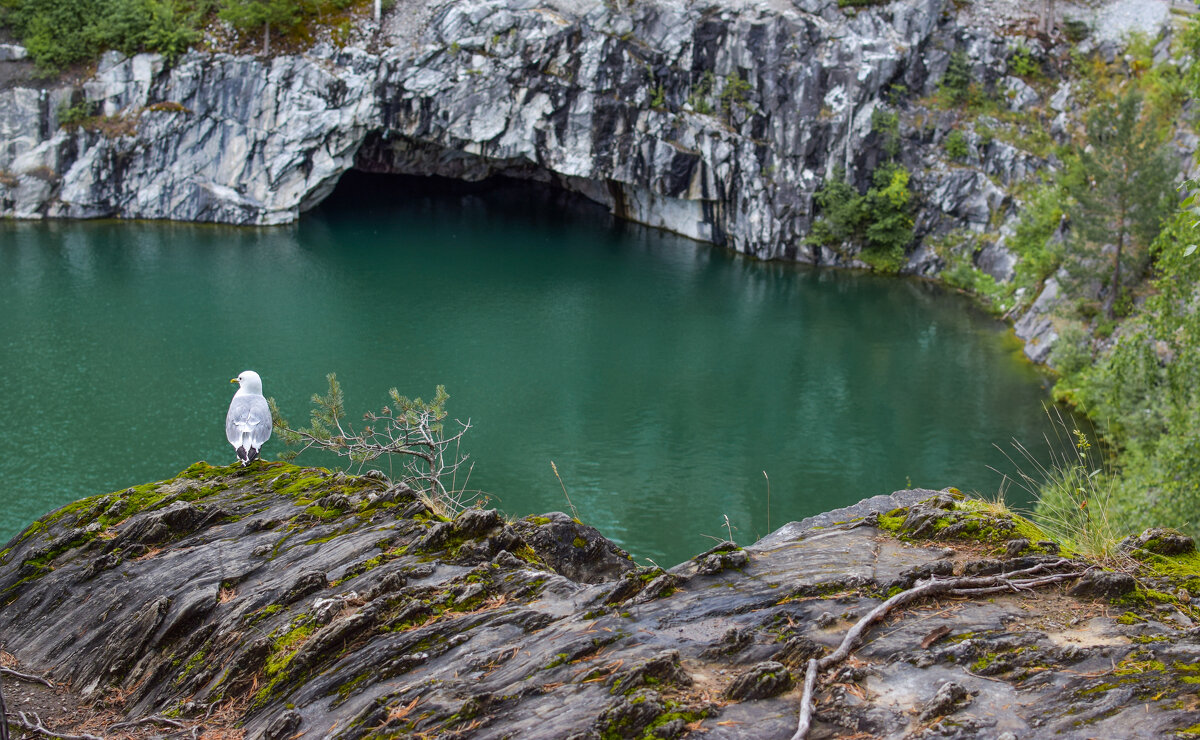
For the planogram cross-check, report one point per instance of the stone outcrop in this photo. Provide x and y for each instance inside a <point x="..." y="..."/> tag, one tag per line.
<point x="715" y="121"/>
<point x="282" y="602"/>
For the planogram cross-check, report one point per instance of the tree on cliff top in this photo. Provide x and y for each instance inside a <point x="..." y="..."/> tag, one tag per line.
<point x="1120" y="184"/>
<point x="285" y="16"/>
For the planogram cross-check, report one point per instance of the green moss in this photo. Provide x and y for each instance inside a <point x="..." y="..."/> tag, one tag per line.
<point x="579" y="542"/>
<point x="558" y="660"/>
<point x="284" y="648"/>
<point x="1128" y="667"/>
<point x="1184" y="569"/>
<point x="890" y="522"/>
<point x="1129" y="618"/>
<point x="348" y="688"/>
<point x="538" y="520"/>
<point x="322" y="513"/>
<point x="1101" y="688"/>
<point x="983" y="661"/>
<point x="1145" y="597"/>
<point x="527" y="553"/>
<point x="192" y="664"/>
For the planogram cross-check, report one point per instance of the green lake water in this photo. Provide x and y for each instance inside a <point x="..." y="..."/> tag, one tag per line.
<point x="662" y="376"/>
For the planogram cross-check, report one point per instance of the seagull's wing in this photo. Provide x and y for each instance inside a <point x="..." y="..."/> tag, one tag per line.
<point x="248" y="415"/>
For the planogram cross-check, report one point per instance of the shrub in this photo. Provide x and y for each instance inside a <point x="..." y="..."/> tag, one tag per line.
<point x="1031" y="241"/>
<point x="1022" y="63"/>
<point x="879" y="221"/>
<point x="956" y="146"/>
<point x="411" y="429"/>
<point x="886" y="124"/>
<point x="735" y="93"/>
<point x="956" y="83"/>
<point x="1072" y="350"/>
<point x="59" y="33"/>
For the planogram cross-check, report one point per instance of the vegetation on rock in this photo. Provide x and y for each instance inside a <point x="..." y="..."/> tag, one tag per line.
<point x="60" y="33"/>
<point x="408" y="428"/>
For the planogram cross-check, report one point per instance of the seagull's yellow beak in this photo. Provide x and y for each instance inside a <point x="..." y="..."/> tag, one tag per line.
<point x="234" y="380"/>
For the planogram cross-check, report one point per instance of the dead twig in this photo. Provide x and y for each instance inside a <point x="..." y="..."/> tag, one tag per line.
<point x="3" y="718"/>
<point x="1014" y="581"/>
<point x="153" y="719"/>
<point x="27" y="677"/>
<point x="20" y="719"/>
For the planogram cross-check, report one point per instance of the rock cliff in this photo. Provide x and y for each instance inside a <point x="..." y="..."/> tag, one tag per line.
<point x="714" y="120"/>
<point x="274" y="602"/>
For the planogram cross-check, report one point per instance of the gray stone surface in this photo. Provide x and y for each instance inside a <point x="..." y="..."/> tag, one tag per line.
<point x="715" y="121"/>
<point x="223" y="598"/>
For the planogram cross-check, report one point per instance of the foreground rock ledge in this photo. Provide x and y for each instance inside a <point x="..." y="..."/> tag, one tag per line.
<point x="278" y="601"/>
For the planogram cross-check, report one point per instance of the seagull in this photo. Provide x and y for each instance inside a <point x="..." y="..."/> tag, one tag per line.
<point x="248" y="423"/>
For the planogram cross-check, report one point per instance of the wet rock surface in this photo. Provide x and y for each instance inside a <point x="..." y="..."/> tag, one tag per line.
<point x="381" y="618"/>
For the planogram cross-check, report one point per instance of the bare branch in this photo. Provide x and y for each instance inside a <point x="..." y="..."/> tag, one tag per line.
<point x="27" y="677"/>
<point x="962" y="586"/>
<point x="20" y="719"/>
<point x="3" y="718"/>
<point x="152" y="719"/>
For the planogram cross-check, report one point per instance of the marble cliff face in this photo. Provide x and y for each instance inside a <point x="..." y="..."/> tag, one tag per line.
<point x="716" y="121"/>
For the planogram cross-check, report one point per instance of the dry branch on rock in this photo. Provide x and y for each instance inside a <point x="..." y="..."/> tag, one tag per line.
<point x="1015" y="581"/>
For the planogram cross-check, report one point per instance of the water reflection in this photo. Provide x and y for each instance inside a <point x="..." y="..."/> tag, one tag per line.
<point x="661" y="375"/>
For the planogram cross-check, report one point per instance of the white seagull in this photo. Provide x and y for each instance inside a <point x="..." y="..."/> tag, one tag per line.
<point x="248" y="423"/>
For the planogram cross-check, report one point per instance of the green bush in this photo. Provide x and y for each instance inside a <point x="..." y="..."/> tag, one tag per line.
<point x="956" y="145"/>
<point x="886" y="124"/>
<point x="735" y="94"/>
<point x="1022" y="64"/>
<point x="956" y="83"/>
<point x="1072" y="350"/>
<point x="59" y="33"/>
<point x="1143" y="394"/>
<point x="879" y="221"/>
<point x="1041" y="215"/>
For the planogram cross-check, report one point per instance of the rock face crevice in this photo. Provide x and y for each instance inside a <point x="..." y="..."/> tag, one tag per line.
<point x="716" y="121"/>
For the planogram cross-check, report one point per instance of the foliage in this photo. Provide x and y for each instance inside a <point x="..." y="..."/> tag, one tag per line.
<point x="1074" y="489"/>
<point x="59" y="33"/>
<point x="1032" y="240"/>
<point x="886" y="124"/>
<point x="412" y="429"/>
<point x="1192" y="210"/>
<point x="251" y="16"/>
<point x="735" y="93"/>
<point x="956" y="145"/>
<point x="1072" y="350"/>
<point x="1144" y="393"/>
<point x="956" y="83"/>
<point x="71" y="116"/>
<point x="1120" y="185"/>
<point x="880" y="221"/>
<point x="698" y="99"/>
<point x="1022" y="63"/>
<point x="56" y="33"/>
<point x="658" y="97"/>
<point x="960" y="272"/>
